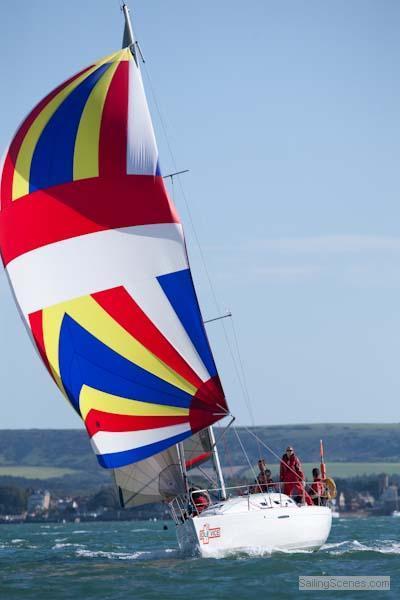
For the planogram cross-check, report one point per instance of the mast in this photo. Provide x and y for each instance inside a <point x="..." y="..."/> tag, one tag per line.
<point x="128" y="37"/>
<point x="217" y="464"/>
<point x="129" y="40"/>
<point x="182" y="464"/>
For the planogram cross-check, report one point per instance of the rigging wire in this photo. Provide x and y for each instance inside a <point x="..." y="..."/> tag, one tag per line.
<point x="242" y="383"/>
<point x="245" y="386"/>
<point x="240" y="374"/>
<point x="245" y="453"/>
<point x="239" y="371"/>
<point x="243" y="373"/>
<point x="269" y="449"/>
<point x="227" y="455"/>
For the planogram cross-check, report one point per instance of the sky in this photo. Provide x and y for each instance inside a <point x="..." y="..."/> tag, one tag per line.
<point x="287" y="115"/>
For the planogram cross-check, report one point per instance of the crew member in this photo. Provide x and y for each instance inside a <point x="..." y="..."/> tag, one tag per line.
<point x="200" y="500"/>
<point x="270" y="481"/>
<point x="264" y="481"/>
<point x="317" y="489"/>
<point x="292" y="477"/>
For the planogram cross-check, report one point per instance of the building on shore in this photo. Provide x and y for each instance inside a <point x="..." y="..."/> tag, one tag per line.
<point x="38" y="502"/>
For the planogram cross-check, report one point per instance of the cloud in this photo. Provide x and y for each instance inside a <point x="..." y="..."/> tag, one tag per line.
<point x="335" y="259"/>
<point x="331" y="244"/>
<point x="286" y="273"/>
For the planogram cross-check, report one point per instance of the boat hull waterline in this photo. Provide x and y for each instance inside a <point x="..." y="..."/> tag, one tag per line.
<point x="232" y="527"/>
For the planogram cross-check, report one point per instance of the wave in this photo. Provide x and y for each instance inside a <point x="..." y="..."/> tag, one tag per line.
<point x="67" y="545"/>
<point x="349" y="547"/>
<point x="138" y="555"/>
<point x="80" y="531"/>
<point x="352" y="546"/>
<point x="12" y="544"/>
<point x="254" y="552"/>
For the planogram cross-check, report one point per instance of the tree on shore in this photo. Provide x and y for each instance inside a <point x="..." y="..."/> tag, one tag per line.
<point x="13" y="500"/>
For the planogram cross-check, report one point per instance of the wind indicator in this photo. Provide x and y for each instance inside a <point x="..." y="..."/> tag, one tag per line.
<point x="323" y="467"/>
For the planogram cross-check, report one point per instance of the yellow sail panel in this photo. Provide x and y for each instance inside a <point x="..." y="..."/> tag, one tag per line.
<point x="91" y="399"/>
<point x="22" y="183"/>
<point x="86" y="155"/>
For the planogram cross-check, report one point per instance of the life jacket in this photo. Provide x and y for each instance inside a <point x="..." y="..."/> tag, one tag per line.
<point x="200" y="501"/>
<point x="318" y="487"/>
<point x="291" y="469"/>
<point x="298" y="491"/>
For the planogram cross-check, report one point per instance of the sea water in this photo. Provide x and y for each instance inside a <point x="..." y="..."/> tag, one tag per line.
<point x="141" y="560"/>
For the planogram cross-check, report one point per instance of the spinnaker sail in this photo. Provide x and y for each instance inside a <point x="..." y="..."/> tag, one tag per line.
<point x="95" y="254"/>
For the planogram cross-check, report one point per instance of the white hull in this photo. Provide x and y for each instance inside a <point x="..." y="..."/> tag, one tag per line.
<point x="262" y="523"/>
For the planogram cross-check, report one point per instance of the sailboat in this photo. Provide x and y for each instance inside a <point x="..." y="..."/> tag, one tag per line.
<point x="95" y="255"/>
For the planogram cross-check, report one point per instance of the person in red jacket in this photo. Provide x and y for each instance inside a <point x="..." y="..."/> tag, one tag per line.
<point x="317" y="489"/>
<point x="200" y="499"/>
<point x="292" y="477"/>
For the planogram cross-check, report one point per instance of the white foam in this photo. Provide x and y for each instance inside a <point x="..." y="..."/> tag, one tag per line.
<point x="110" y="555"/>
<point x="81" y="531"/>
<point x="351" y="546"/>
<point x="68" y="545"/>
<point x="138" y="555"/>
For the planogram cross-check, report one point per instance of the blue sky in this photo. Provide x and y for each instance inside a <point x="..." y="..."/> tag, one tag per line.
<point x="287" y="115"/>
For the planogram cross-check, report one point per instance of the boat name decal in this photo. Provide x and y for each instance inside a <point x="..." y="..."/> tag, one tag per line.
<point x="208" y="533"/>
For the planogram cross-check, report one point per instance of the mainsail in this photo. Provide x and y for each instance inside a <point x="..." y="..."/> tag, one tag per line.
<point x="95" y="254"/>
<point x="159" y="477"/>
<point x="154" y="479"/>
<point x="198" y="449"/>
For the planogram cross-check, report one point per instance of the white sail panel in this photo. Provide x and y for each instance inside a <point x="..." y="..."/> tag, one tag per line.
<point x="142" y="154"/>
<point x="155" y="479"/>
<point x="105" y="442"/>
<point x="96" y="261"/>
<point x="150" y="297"/>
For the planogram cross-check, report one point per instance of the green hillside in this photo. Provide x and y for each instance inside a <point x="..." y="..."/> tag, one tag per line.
<point x="35" y="472"/>
<point x="65" y="456"/>
<point x="342" y="470"/>
<point x="343" y="442"/>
